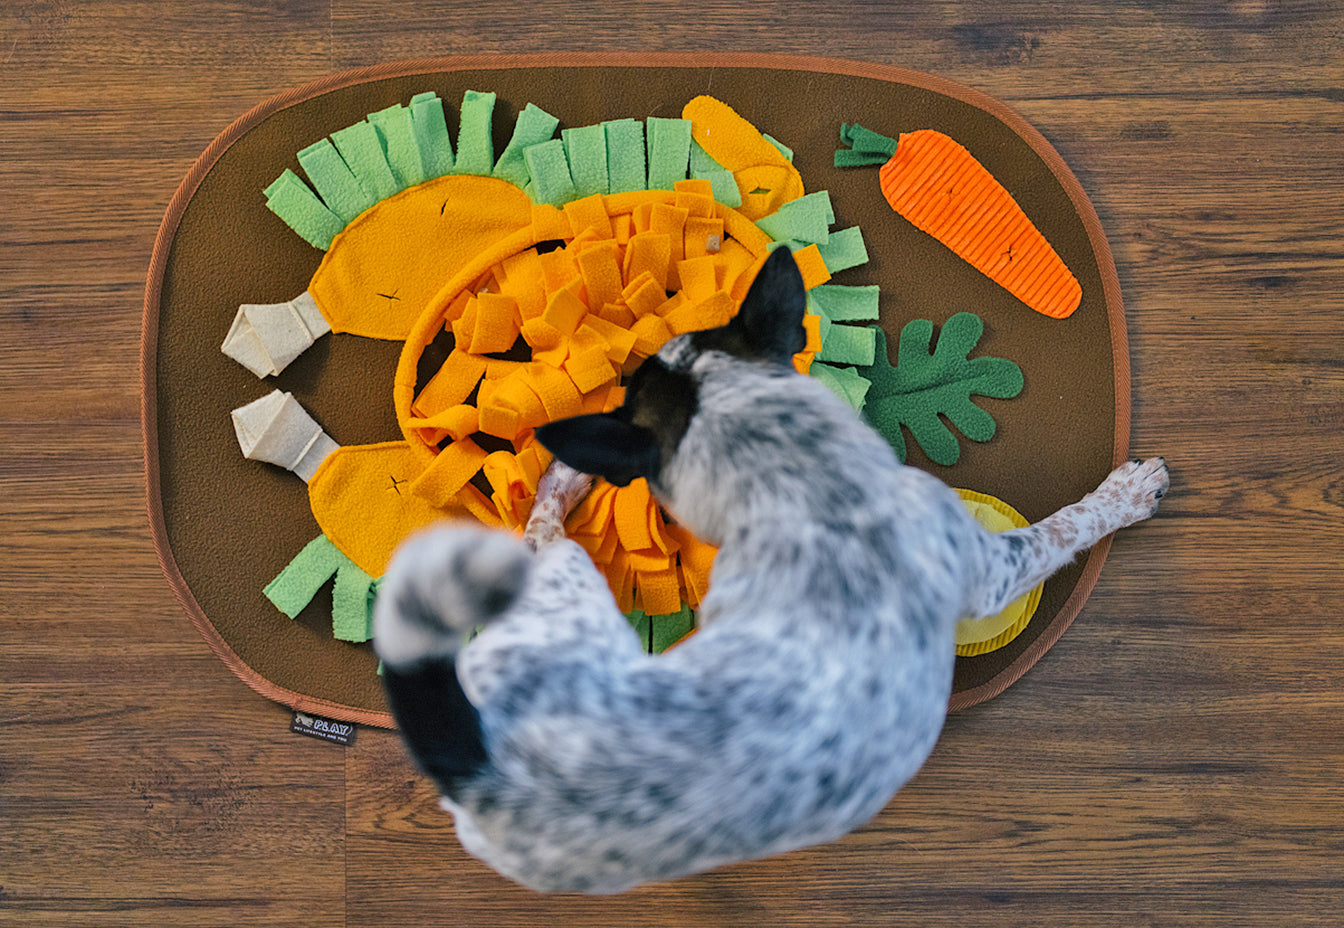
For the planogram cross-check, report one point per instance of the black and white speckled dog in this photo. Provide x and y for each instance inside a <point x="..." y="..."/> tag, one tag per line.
<point x="819" y="680"/>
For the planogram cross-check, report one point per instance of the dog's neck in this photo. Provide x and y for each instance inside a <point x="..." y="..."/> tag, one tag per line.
<point x="771" y="454"/>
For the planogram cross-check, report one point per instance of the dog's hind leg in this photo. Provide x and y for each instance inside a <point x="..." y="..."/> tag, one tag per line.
<point x="1017" y="560"/>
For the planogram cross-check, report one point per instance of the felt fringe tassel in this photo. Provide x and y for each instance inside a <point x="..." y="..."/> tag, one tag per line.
<point x="402" y="146"/>
<point x="310" y="570"/>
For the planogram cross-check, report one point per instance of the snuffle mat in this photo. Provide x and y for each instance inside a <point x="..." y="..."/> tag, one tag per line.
<point x="369" y="290"/>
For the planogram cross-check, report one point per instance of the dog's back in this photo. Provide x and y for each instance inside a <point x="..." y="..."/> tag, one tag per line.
<point x="816" y="686"/>
<point x="819" y="680"/>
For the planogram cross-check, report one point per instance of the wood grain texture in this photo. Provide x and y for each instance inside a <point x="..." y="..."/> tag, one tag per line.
<point x="1175" y="760"/>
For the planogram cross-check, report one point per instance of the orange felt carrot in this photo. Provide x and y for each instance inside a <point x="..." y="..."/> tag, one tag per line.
<point x="938" y="185"/>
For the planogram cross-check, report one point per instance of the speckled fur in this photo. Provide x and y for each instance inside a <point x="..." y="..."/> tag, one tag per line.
<point x="817" y="684"/>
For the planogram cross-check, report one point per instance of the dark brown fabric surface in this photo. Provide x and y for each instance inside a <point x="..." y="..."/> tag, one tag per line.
<point x="226" y="526"/>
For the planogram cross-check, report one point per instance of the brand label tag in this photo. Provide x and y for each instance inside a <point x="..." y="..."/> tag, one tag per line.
<point x="314" y="726"/>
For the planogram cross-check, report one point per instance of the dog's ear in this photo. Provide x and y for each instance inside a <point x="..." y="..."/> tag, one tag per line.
<point x="604" y="444"/>
<point x="770" y="322"/>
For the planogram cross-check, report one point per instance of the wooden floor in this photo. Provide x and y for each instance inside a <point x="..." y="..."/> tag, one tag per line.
<point x="1178" y="759"/>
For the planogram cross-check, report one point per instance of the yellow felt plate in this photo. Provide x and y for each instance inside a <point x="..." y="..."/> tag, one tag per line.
<point x="980" y="636"/>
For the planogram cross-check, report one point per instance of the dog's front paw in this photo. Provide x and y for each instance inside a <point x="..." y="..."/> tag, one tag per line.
<point x="1135" y="488"/>
<point x="558" y="492"/>
<point x="440" y="585"/>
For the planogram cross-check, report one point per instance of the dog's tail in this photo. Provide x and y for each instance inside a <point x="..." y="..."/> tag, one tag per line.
<point x="439" y="587"/>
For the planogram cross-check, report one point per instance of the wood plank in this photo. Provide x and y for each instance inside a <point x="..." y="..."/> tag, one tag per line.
<point x="134" y="802"/>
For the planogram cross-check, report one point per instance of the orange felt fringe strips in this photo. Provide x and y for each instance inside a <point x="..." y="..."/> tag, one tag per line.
<point x="584" y="313"/>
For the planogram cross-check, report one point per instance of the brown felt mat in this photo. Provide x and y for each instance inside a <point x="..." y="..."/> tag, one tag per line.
<point x="225" y="526"/>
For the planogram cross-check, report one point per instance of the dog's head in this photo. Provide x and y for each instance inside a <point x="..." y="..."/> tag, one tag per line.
<point x="642" y="437"/>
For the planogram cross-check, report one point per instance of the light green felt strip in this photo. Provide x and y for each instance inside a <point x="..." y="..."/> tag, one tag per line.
<point x="533" y="126"/>
<point x="849" y="344"/>
<point x="704" y="167"/>
<point x="784" y="150"/>
<point x="352" y="604"/>
<point x="292" y="200"/>
<point x="725" y="185"/>
<point x="475" y="148"/>
<point x="802" y="220"/>
<point x="586" y="151"/>
<point x="625" y="155"/>
<point x="363" y="152"/>
<point x="431" y="134"/>
<point x="823" y="197"/>
<point x="701" y="159"/>
<point x="841" y="303"/>
<point x="397" y="135"/>
<point x="549" y="169"/>
<point x="669" y="151"/>
<point x="844" y="382"/>
<point x="296" y="585"/>
<point x="334" y="181"/>
<point x="844" y="250"/>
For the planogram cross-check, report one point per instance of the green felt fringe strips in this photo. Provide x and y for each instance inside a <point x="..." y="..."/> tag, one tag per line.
<point x="354" y="591"/>
<point x="352" y="595"/>
<point x="807" y="221"/>
<point x="402" y="146"/>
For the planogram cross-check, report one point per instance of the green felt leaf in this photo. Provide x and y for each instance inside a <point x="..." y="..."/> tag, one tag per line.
<point x="643" y="624"/>
<point x="669" y="629"/>
<point x="926" y="385"/>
